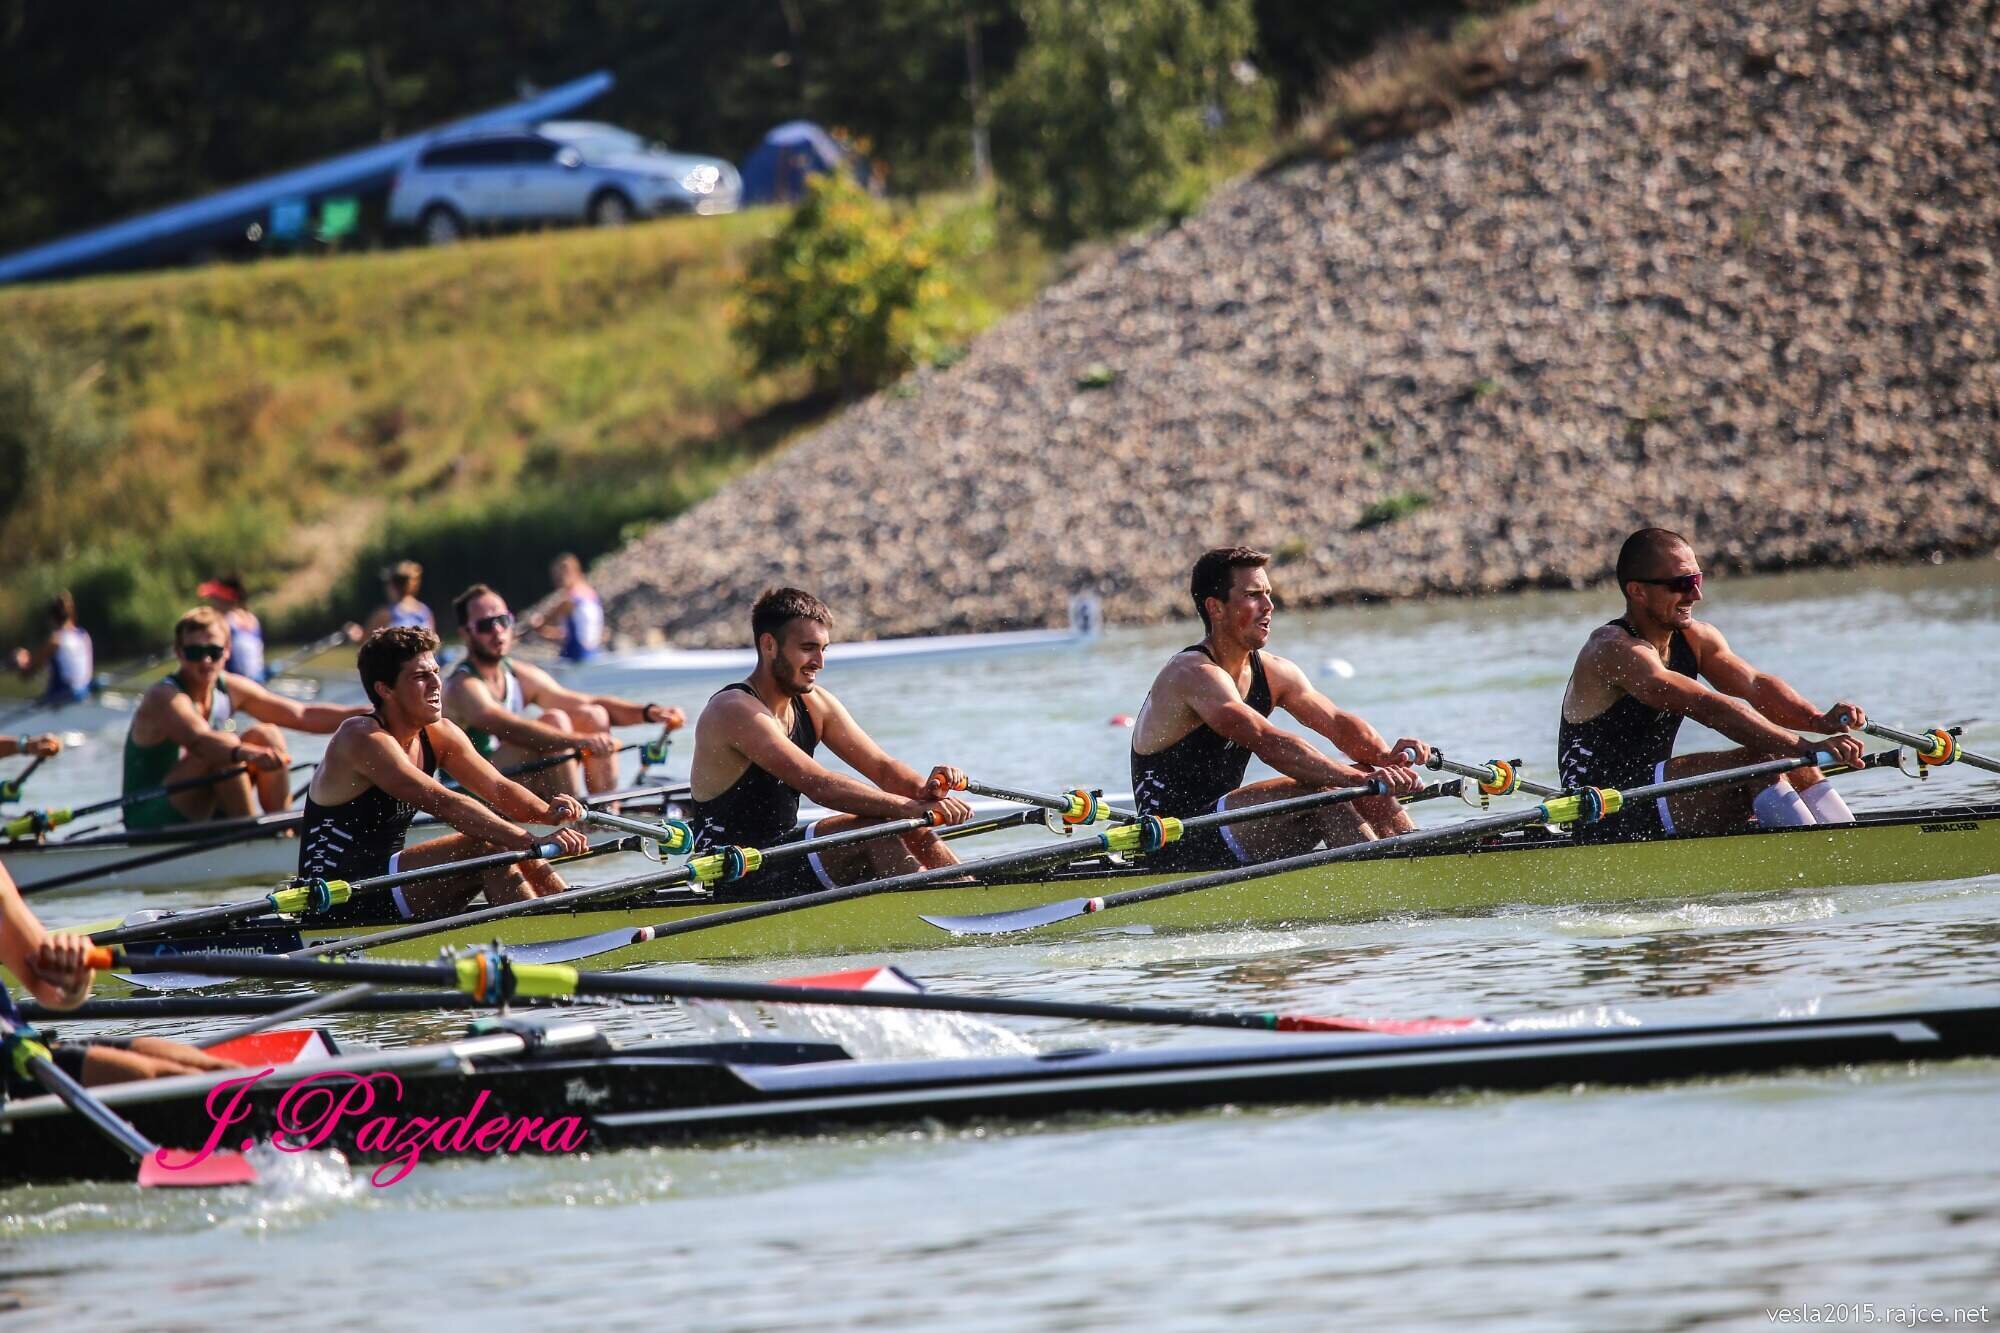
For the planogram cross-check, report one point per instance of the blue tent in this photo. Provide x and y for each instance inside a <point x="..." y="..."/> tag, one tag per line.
<point x="777" y="169"/>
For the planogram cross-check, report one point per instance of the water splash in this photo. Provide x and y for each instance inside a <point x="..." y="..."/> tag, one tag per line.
<point x="868" y="1034"/>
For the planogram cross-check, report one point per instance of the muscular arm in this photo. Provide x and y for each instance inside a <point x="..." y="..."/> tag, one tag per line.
<point x="24" y="947"/>
<point x="469" y="703"/>
<point x="1212" y="695"/>
<point x="266" y="706"/>
<point x="756" y="735"/>
<point x="173" y="715"/>
<point x="1291" y="691"/>
<point x="1635" y="668"/>
<point x="377" y="757"/>
<point x="1770" y="695"/>
<point x="538" y="687"/>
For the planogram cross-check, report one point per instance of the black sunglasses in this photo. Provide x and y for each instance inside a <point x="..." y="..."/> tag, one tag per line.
<point x="487" y="624"/>
<point x="1682" y="583"/>
<point x="204" y="652"/>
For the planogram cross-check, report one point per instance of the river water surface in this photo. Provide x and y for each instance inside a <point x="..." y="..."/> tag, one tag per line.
<point x="1676" y="1206"/>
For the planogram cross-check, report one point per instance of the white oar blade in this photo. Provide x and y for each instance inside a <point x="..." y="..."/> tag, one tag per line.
<point x="569" y="950"/>
<point x="1004" y="923"/>
<point x="168" y="981"/>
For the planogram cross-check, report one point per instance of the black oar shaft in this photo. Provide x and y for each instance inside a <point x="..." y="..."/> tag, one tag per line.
<point x="108" y="1122"/>
<point x="177" y="851"/>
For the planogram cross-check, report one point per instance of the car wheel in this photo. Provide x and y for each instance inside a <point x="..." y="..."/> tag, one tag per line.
<point x="441" y="225"/>
<point x="610" y="209"/>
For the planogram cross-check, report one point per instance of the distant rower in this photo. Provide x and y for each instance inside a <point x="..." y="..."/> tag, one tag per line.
<point x="178" y="731"/>
<point x="400" y="583"/>
<point x="381" y="768"/>
<point x="1209" y="711"/>
<point x="66" y="653"/>
<point x="1637" y="677"/>
<point x="489" y="693"/>
<point x="753" y="760"/>
<point x="577" y="621"/>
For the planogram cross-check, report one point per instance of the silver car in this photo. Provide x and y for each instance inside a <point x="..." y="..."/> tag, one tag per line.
<point x="559" y="171"/>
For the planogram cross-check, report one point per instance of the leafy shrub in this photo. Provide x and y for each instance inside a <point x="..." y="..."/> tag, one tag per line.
<point x="1390" y="508"/>
<point x="1112" y="110"/>
<point x="847" y="289"/>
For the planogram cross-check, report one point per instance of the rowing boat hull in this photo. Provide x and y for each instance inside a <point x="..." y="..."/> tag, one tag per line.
<point x="1912" y="847"/>
<point x="680" y="1093"/>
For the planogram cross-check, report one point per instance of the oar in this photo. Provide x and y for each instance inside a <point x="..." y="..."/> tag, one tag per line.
<point x="10" y="788"/>
<point x="28" y="1056"/>
<point x="325" y="643"/>
<point x="37" y="822"/>
<point x="1496" y="777"/>
<point x="1132" y="839"/>
<point x="1585" y="806"/>
<point x="315" y="897"/>
<point x="496" y="977"/>
<point x="1936" y="747"/>
<point x="653" y="754"/>
<point x="1075" y="807"/>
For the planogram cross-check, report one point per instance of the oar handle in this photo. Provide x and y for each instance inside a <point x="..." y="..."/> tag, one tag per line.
<point x="1496" y="777"/>
<point x="1936" y="747"/>
<point x="673" y="835"/>
<point x="36" y="822"/>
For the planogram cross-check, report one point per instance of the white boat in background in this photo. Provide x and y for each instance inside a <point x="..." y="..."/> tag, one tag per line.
<point x="626" y="670"/>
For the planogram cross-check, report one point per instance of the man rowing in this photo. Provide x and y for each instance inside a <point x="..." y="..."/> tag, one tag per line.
<point x="231" y="600"/>
<point x="381" y="768"/>
<point x="753" y="759"/>
<point x="66" y="652"/>
<point x="576" y="622"/>
<point x="489" y="692"/>
<point x="179" y="731"/>
<point x="1638" y="676"/>
<point x="400" y="584"/>
<point x="1210" y="709"/>
<point x="50" y="966"/>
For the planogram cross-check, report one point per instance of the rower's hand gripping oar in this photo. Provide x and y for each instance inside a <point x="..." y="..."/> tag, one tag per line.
<point x="497" y="976"/>
<point x="1581" y="807"/>
<point x="315" y="897"/>
<point x="1069" y="810"/>
<point x="30" y="1058"/>
<point x="1495" y="777"/>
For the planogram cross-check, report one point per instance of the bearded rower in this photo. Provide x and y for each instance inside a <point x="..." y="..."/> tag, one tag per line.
<point x="753" y="760"/>
<point x="489" y="692"/>
<point x="52" y="968"/>
<point x="178" y="732"/>
<point x="1209" y="710"/>
<point x="1640" y="674"/>
<point x="381" y="768"/>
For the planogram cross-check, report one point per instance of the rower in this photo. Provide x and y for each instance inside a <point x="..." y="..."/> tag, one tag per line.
<point x="1639" y="675"/>
<point x="753" y="760"/>
<point x="246" y="633"/>
<point x="400" y="583"/>
<point x="381" y="768"/>
<point x="578" y="618"/>
<point x="45" y="746"/>
<point x="179" y="731"/>
<point x="1209" y="710"/>
<point x="51" y="967"/>
<point x="488" y="693"/>
<point x="66" y="652"/>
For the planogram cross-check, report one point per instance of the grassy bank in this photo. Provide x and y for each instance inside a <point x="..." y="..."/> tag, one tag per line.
<point x="477" y="408"/>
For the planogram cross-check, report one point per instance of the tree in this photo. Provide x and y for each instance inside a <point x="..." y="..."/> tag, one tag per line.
<point x="1113" y="109"/>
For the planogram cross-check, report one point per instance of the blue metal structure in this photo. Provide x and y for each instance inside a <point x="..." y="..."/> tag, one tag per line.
<point x="227" y="216"/>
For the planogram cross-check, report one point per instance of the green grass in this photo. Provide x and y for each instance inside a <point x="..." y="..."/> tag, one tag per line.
<point x="478" y="408"/>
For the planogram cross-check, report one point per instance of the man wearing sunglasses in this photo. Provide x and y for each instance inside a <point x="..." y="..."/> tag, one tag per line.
<point x="1640" y="674"/>
<point x="183" y="729"/>
<point x="489" y="694"/>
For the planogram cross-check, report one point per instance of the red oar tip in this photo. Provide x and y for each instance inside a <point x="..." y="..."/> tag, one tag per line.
<point x="218" y="1170"/>
<point x="1396" y="1027"/>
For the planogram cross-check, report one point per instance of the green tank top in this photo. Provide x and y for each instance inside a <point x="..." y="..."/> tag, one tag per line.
<point x="510" y="699"/>
<point x="147" y="766"/>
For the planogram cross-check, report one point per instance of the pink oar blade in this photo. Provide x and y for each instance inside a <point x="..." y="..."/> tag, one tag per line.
<point x="1395" y="1027"/>
<point x="219" y="1170"/>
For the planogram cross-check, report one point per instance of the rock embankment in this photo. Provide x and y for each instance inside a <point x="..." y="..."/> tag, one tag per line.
<point x="1723" y="265"/>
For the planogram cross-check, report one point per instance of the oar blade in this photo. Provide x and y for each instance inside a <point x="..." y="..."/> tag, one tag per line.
<point x="1005" y="923"/>
<point x="168" y="981"/>
<point x="218" y="1170"/>
<point x="1396" y="1027"/>
<point x="570" y="950"/>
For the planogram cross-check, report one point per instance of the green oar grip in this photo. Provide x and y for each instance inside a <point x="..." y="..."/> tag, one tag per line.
<point x="36" y="822"/>
<point x="1583" y="807"/>
<point x="729" y="863"/>
<point x="1148" y="834"/>
<point x="313" y="897"/>
<point x="491" y="978"/>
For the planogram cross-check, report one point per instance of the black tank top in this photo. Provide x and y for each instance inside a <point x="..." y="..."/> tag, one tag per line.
<point x="355" y="839"/>
<point x="1199" y="769"/>
<point x="1623" y="745"/>
<point x="757" y="810"/>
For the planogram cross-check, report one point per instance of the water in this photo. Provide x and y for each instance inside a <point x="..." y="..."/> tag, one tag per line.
<point x="1590" y="1209"/>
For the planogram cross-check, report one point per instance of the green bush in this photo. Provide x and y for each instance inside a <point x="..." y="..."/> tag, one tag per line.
<point x="848" y="289"/>
<point x="1389" y="509"/>
<point x="1113" y="111"/>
